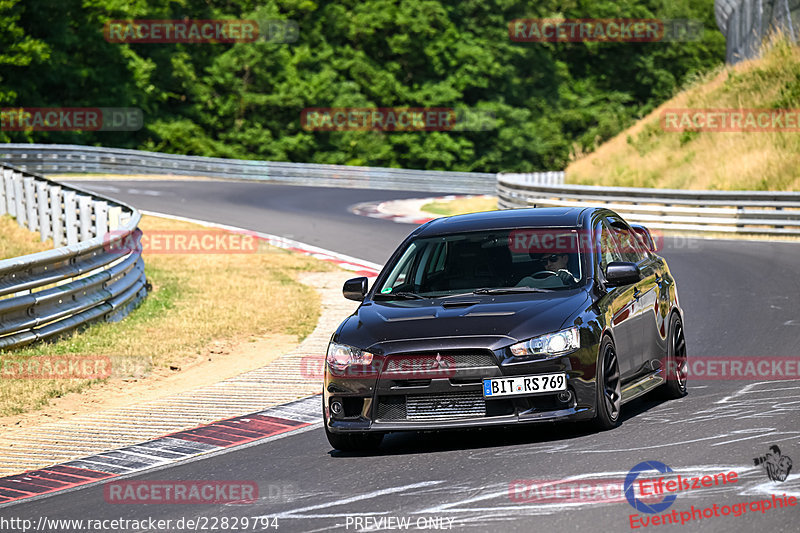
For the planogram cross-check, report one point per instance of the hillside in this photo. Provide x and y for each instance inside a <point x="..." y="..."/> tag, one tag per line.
<point x="646" y="155"/>
<point x="523" y="105"/>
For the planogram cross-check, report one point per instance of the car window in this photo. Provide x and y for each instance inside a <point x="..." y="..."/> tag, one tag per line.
<point x="399" y="274"/>
<point x="463" y="262"/>
<point x="645" y="238"/>
<point x="630" y="246"/>
<point x="609" y="248"/>
<point x="437" y="261"/>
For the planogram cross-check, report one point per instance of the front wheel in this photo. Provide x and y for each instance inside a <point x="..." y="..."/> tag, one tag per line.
<point x="676" y="370"/>
<point x="608" y="394"/>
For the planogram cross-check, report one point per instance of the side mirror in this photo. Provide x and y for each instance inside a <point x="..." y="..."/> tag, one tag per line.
<point x="355" y="289"/>
<point x="620" y="273"/>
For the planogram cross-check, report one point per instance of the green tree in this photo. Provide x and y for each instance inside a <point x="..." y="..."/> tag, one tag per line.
<point x="244" y="100"/>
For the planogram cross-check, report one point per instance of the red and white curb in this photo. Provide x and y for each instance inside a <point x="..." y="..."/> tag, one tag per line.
<point x="347" y="262"/>
<point x="172" y="448"/>
<point x="406" y="211"/>
<point x="184" y="445"/>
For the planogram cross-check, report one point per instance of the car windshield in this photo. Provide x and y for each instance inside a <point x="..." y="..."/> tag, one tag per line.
<point x="518" y="260"/>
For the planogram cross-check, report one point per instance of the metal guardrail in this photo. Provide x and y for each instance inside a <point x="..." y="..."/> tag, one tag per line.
<point x="746" y="212"/>
<point x="98" y="275"/>
<point x="745" y="23"/>
<point x="67" y="159"/>
<point x="537" y="178"/>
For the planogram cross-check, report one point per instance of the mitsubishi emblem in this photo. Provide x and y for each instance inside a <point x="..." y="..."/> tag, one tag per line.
<point x="440" y="362"/>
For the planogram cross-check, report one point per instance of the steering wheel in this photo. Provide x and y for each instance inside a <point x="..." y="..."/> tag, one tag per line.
<point x="542" y="274"/>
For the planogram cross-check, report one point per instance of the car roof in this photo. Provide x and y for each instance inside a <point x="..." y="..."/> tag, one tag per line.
<point x="548" y="217"/>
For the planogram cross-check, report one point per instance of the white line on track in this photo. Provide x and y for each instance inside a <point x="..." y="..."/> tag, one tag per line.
<point x="549" y="508"/>
<point x="346" y="261"/>
<point x="360" y="497"/>
<point x="761" y="435"/>
<point x="747" y="389"/>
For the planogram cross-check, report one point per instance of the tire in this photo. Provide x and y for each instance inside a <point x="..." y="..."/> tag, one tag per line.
<point x="676" y="362"/>
<point x="608" y="395"/>
<point x="354" y="442"/>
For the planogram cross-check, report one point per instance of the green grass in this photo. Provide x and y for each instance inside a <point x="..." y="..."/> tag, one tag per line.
<point x="197" y="299"/>
<point x="648" y="156"/>
<point x="16" y="241"/>
<point x="460" y="206"/>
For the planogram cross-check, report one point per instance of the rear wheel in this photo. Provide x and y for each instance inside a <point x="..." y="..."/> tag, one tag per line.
<point x="677" y="362"/>
<point x="608" y="387"/>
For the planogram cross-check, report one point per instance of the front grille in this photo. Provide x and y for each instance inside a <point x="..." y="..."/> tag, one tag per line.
<point x="392" y="408"/>
<point x="396" y="408"/>
<point x="446" y="406"/>
<point x="428" y="362"/>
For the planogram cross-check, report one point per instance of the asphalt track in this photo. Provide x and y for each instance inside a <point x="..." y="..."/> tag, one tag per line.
<point x="739" y="298"/>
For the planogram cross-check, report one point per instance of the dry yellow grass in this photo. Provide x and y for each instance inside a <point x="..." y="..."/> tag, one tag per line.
<point x="16" y="241"/>
<point x="646" y="156"/>
<point x="460" y="206"/>
<point x="197" y="300"/>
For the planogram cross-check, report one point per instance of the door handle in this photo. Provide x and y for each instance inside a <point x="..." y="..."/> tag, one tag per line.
<point x="636" y="293"/>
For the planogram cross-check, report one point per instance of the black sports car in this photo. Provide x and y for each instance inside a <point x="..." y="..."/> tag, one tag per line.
<point x="505" y="317"/>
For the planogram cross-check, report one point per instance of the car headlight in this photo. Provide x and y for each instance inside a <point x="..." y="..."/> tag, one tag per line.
<point x="341" y="356"/>
<point x="550" y="345"/>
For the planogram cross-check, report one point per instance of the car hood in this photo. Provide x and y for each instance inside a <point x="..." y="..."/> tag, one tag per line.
<point x="484" y="321"/>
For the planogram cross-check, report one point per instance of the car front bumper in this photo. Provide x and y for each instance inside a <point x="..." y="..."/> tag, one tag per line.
<point x="431" y="400"/>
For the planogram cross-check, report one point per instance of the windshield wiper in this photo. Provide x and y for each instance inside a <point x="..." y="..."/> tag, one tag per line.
<point x="402" y="295"/>
<point x="510" y="290"/>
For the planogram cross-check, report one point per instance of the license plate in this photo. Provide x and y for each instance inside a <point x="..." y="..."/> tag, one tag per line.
<point x="521" y="385"/>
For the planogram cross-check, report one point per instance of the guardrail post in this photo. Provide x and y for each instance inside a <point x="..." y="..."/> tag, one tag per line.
<point x="71" y="217"/>
<point x="45" y="228"/>
<point x="85" y="208"/>
<point x="8" y="181"/>
<point x="55" y="216"/>
<point x="739" y="216"/>
<point x="3" y="208"/>
<point x="30" y="204"/>
<point x="114" y="214"/>
<point x="100" y="218"/>
<point x="19" y="201"/>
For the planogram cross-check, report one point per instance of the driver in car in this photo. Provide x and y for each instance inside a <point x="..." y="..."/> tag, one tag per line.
<point x="555" y="263"/>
